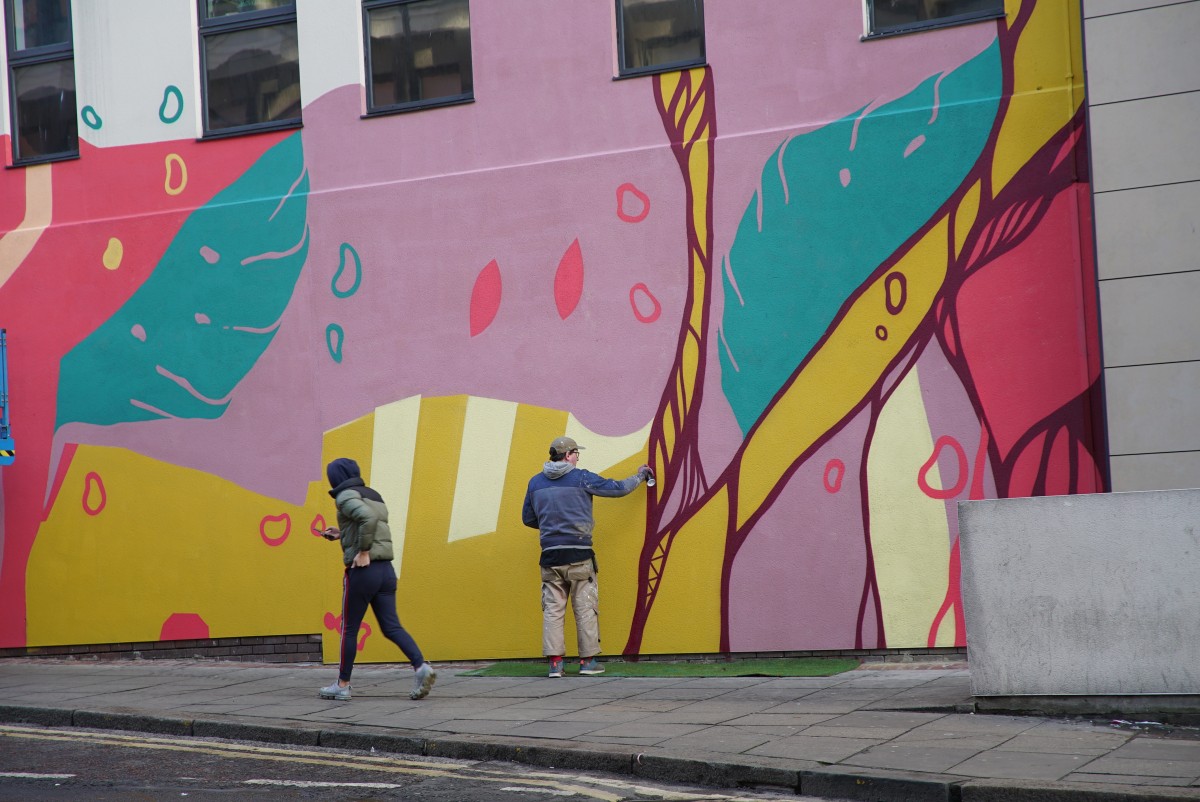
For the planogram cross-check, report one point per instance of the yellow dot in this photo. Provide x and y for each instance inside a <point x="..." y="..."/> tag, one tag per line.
<point x="113" y="253"/>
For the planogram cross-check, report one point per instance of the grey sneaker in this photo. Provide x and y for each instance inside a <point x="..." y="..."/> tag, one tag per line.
<point x="335" y="692"/>
<point x="423" y="680"/>
<point x="590" y="667"/>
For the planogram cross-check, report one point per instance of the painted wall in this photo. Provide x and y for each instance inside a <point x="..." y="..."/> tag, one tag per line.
<point x="1143" y="78"/>
<point x="827" y="287"/>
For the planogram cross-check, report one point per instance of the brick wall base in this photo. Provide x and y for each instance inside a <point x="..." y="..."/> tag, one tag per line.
<point x="271" y="649"/>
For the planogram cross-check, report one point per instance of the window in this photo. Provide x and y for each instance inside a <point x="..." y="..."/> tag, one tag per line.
<point x="659" y="35"/>
<point x="41" y="74"/>
<point x="418" y="54"/>
<point x="250" y="63"/>
<point x="902" y="16"/>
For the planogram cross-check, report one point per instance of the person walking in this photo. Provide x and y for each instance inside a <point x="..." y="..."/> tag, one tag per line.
<point x="558" y="503"/>
<point x="369" y="579"/>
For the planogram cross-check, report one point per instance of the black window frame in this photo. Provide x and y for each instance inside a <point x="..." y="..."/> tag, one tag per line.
<point x="657" y="69"/>
<point x="927" y="25"/>
<point x="231" y="23"/>
<point x="412" y="105"/>
<point x="29" y="57"/>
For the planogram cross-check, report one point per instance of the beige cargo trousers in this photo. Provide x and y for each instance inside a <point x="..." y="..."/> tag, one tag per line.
<point x="578" y="580"/>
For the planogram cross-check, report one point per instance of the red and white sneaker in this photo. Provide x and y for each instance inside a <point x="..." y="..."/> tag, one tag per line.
<point x="555" y="668"/>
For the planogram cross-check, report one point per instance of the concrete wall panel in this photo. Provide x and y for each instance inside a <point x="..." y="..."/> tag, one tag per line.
<point x="1151" y="319"/>
<point x="1153" y="408"/>
<point x="1100" y="8"/>
<point x="1089" y="595"/>
<point x="1127" y="69"/>
<point x="1145" y="142"/>
<point x="1155" y="472"/>
<point x="1151" y="230"/>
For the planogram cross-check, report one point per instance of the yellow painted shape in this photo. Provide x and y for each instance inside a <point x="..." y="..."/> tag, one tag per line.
<point x="1047" y="87"/>
<point x="39" y="209"/>
<point x="686" y="616"/>
<point x="842" y="372"/>
<point x="146" y="555"/>
<point x="175" y="184"/>
<point x="910" y="536"/>
<point x="113" y="253"/>
<point x="486" y="439"/>
<point x="964" y="217"/>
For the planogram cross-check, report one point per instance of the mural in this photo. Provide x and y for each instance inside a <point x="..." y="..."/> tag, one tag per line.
<point x="825" y="304"/>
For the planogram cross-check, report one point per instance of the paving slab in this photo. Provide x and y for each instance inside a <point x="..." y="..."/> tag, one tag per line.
<point x="891" y="735"/>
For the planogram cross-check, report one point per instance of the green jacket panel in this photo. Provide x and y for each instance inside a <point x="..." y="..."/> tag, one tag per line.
<point x="364" y="526"/>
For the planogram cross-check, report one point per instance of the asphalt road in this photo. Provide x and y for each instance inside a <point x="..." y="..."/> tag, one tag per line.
<point x="38" y="763"/>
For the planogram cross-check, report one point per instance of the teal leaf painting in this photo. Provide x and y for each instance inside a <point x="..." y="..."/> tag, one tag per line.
<point x="196" y="326"/>
<point x="834" y="204"/>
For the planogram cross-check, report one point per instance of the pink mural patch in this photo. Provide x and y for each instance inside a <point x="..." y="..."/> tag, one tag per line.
<point x="485" y="298"/>
<point x="138" y="331"/>
<point x="183" y="626"/>
<point x="568" y="280"/>
<point x="94" y="495"/>
<point x="844" y="176"/>
<point x="270" y="524"/>
<point x="209" y="255"/>
<point x="623" y="193"/>
<point x="917" y="142"/>
<point x="643" y="291"/>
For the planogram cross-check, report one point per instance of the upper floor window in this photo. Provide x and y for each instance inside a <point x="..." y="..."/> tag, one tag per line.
<point x="250" y="63"/>
<point x="418" y="53"/>
<point x="902" y="16"/>
<point x="41" y="69"/>
<point x="659" y="35"/>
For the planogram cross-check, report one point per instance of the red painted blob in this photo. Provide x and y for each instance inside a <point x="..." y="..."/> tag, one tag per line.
<point x="655" y="306"/>
<point x="835" y="471"/>
<point x="960" y="454"/>
<point x="485" y="298"/>
<point x="183" y="626"/>
<point x="270" y="523"/>
<point x="568" y="280"/>
<point x="94" y="496"/>
<point x="623" y="193"/>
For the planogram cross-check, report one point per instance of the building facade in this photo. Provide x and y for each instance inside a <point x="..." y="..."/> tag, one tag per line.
<point x="826" y="266"/>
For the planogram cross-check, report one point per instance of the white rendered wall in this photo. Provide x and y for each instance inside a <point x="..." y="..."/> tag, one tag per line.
<point x="1095" y="595"/>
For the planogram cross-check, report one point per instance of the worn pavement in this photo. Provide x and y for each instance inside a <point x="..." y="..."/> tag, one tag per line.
<point x="883" y="732"/>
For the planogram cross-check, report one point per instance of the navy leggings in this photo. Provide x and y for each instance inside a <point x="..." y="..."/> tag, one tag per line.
<point x="374" y="585"/>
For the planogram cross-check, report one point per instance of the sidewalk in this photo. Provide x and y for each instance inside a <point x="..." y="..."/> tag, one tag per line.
<point x="877" y="733"/>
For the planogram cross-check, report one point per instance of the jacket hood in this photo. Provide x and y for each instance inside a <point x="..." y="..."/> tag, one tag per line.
<point x="340" y="470"/>
<point x="557" y="470"/>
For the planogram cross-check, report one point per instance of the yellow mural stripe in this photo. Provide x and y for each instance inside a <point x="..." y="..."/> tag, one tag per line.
<point x="39" y="209"/>
<point x="393" y="446"/>
<point x="483" y="459"/>
<point x="964" y="216"/>
<point x="842" y="372"/>
<point x="1047" y="87"/>
<point x="687" y="608"/>
<point x="910" y="534"/>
